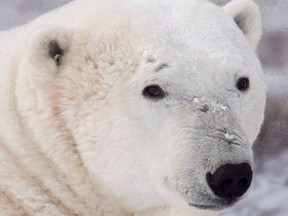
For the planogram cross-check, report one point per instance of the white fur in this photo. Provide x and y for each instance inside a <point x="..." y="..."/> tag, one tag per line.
<point x="80" y="138"/>
<point x="247" y="15"/>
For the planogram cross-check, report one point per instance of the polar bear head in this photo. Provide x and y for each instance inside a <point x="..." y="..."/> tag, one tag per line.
<point x="164" y="100"/>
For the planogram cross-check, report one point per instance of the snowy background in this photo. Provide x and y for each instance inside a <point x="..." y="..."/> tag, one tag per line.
<point x="269" y="193"/>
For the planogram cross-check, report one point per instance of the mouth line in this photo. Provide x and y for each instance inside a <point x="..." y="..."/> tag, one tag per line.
<point x="213" y="207"/>
<point x="207" y="207"/>
<point x="217" y="206"/>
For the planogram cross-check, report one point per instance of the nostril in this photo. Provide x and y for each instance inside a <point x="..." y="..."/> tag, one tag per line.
<point x="230" y="180"/>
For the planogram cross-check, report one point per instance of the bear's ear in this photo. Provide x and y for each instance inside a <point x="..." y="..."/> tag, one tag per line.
<point x="42" y="58"/>
<point x="246" y="15"/>
<point x="45" y="51"/>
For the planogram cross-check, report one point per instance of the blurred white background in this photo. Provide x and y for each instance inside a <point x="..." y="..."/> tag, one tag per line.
<point x="268" y="195"/>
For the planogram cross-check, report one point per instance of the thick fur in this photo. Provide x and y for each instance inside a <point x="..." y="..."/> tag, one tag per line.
<point x="77" y="137"/>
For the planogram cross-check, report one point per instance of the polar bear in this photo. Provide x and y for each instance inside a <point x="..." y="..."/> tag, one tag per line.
<point x="130" y="108"/>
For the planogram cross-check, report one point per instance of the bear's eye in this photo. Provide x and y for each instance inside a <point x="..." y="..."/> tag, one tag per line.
<point x="154" y="92"/>
<point x="243" y="84"/>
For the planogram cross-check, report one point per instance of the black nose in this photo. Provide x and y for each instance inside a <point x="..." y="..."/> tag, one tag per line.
<point x="230" y="180"/>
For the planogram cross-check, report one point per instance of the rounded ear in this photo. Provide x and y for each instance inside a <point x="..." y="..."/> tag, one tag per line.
<point x="246" y="15"/>
<point x="43" y="55"/>
<point x="42" y="58"/>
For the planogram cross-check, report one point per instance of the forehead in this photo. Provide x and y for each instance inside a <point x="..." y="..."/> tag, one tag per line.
<point x="189" y="35"/>
<point x="206" y="40"/>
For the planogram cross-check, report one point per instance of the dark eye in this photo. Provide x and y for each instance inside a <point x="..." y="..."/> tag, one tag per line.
<point x="154" y="92"/>
<point x="243" y="84"/>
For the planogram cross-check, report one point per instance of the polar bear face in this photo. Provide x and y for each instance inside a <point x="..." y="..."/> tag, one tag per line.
<point x="161" y="112"/>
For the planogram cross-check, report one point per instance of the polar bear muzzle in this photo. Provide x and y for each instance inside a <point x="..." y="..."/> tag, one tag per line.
<point x="230" y="180"/>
